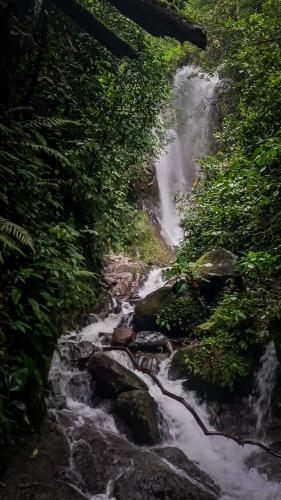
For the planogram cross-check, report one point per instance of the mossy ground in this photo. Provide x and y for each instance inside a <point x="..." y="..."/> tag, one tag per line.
<point x="146" y="244"/>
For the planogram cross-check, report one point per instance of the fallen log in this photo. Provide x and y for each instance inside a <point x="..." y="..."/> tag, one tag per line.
<point x="182" y="401"/>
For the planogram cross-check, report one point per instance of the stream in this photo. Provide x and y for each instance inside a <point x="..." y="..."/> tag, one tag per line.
<point x="223" y="460"/>
<point x="72" y="405"/>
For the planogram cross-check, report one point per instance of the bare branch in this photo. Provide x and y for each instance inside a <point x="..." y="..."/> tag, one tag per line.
<point x="182" y="401"/>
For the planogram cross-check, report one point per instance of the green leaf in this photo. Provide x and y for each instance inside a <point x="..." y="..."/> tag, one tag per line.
<point x="18" y="379"/>
<point x="16" y="295"/>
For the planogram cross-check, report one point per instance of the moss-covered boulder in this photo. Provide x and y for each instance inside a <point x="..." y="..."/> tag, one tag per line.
<point x="170" y="311"/>
<point x="139" y="411"/>
<point x="213" y="373"/>
<point x="215" y="268"/>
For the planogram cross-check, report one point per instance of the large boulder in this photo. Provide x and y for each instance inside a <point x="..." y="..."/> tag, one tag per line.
<point x="154" y="481"/>
<point x="41" y="470"/>
<point x="177" y="458"/>
<point x="139" y="411"/>
<point x="37" y="470"/>
<point x="181" y="310"/>
<point x="218" y="262"/>
<point x="215" y="268"/>
<point x="112" y="378"/>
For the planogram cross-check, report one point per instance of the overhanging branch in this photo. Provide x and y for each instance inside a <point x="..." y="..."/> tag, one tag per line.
<point x="161" y="21"/>
<point x="83" y="17"/>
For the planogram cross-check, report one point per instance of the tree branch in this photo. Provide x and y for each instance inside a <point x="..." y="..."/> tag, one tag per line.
<point x="83" y="17"/>
<point x="161" y="21"/>
<point x="182" y="401"/>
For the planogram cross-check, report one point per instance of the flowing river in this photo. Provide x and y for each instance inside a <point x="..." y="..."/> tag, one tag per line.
<point x="223" y="460"/>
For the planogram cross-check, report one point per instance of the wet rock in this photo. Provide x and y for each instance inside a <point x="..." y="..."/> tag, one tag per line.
<point x="148" y="309"/>
<point x="139" y="411"/>
<point x="137" y="473"/>
<point x="89" y="319"/>
<point x="267" y="464"/>
<point x="183" y="311"/>
<point x="148" y="341"/>
<point x="151" y="361"/>
<point x="216" y="267"/>
<point x="122" y="336"/>
<point x="97" y="457"/>
<point x="157" y="481"/>
<point x="37" y="472"/>
<point x="112" y="378"/>
<point x="180" y="460"/>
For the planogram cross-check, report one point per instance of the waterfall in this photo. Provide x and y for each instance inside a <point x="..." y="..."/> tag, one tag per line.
<point x="265" y="383"/>
<point x="178" y="167"/>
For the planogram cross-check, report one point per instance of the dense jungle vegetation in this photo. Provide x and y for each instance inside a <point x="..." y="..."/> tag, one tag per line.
<point x="76" y="145"/>
<point x="79" y="131"/>
<point x="238" y="205"/>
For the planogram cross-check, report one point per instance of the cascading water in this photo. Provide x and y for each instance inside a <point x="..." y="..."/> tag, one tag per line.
<point x="265" y="383"/>
<point x="178" y="167"/>
<point x="223" y="460"/>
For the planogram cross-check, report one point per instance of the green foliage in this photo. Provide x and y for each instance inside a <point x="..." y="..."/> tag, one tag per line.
<point x="230" y="340"/>
<point x="74" y="142"/>
<point x="238" y="205"/>
<point x="184" y="313"/>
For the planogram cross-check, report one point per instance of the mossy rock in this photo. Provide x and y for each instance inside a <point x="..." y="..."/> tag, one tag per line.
<point x="170" y="312"/>
<point x="217" y="262"/>
<point x="216" y="268"/>
<point x="201" y="371"/>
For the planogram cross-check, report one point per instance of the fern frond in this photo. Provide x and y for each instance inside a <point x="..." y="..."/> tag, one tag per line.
<point x="38" y="148"/>
<point x="17" y="232"/>
<point x="83" y="273"/>
<point x="8" y="243"/>
<point x="51" y="123"/>
<point x="19" y="109"/>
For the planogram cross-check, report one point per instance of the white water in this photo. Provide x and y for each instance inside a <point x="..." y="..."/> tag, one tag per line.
<point x="178" y="167"/>
<point x="222" y="459"/>
<point x="265" y="383"/>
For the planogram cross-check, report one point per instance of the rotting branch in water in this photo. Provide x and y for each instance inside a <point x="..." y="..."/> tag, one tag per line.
<point x="182" y="401"/>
